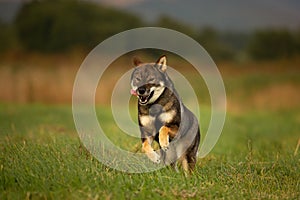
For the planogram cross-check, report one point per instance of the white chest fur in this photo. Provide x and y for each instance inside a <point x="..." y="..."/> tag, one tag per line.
<point x="165" y="117"/>
<point x="147" y="120"/>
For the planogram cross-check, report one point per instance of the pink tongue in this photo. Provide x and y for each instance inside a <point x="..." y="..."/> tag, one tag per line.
<point x="133" y="92"/>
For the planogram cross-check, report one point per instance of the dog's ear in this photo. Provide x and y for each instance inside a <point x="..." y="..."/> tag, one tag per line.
<point x="162" y="63"/>
<point x="137" y="61"/>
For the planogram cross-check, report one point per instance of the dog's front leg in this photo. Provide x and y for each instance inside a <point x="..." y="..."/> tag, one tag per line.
<point x="147" y="148"/>
<point x="164" y="137"/>
<point x="166" y="132"/>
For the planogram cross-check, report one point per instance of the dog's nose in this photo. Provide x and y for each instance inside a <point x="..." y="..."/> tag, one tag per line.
<point x="141" y="90"/>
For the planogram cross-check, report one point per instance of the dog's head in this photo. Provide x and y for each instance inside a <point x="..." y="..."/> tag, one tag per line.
<point x="148" y="80"/>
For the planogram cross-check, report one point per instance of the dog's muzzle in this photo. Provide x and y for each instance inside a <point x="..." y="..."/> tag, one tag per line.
<point x="143" y="94"/>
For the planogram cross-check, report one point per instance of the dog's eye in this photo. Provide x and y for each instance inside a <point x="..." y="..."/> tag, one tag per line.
<point x="138" y="79"/>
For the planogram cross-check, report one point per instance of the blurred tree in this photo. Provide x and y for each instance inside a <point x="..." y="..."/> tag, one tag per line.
<point x="211" y="40"/>
<point x="208" y="37"/>
<point x="53" y="25"/>
<point x="272" y="44"/>
<point x="7" y="36"/>
<point x="167" y="22"/>
<point x="297" y="38"/>
<point x="237" y="43"/>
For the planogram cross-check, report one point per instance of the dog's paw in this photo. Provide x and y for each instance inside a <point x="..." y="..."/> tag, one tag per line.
<point x="154" y="157"/>
<point x="165" y="146"/>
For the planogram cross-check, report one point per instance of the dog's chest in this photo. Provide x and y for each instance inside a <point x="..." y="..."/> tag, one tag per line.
<point x="158" y="119"/>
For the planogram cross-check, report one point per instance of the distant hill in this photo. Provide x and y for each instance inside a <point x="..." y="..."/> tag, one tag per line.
<point x="223" y="15"/>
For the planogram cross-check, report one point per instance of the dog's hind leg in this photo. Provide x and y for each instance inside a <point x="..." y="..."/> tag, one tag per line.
<point x="174" y="166"/>
<point x="192" y="153"/>
<point x="185" y="165"/>
<point x="192" y="158"/>
<point x="191" y="162"/>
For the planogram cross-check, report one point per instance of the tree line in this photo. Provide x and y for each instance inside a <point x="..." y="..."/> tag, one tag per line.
<point x="61" y="25"/>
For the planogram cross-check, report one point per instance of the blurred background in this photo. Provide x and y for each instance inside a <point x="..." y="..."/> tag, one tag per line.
<point x="255" y="44"/>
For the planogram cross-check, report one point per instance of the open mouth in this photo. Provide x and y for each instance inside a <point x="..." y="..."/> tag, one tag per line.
<point x="143" y="99"/>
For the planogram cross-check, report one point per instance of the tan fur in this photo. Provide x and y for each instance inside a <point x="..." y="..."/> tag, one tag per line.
<point x="147" y="148"/>
<point x="173" y="131"/>
<point x="185" y="165"/>
<point x="164" y="137"/>
<point x="165" y="133"/>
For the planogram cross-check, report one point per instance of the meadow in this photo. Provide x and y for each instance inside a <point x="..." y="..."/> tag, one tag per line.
<point x="256" y="157"/>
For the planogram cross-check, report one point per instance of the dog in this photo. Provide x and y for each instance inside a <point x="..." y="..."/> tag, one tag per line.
<point x="163" y="117"/>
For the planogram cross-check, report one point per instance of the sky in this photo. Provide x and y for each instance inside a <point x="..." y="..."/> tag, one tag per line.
<point x="237" y="15"/>
<point x="229" y="14"/>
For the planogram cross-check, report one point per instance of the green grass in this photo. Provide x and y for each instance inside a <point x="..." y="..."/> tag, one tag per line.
<point x="41" y="158"/>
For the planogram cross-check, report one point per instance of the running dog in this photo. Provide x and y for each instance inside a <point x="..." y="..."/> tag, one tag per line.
<point x="163" y="117"/>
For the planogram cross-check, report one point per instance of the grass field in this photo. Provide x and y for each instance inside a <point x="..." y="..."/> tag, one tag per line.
<point x="256" y="156"/>
<point x="41" y="158"/>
